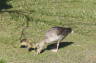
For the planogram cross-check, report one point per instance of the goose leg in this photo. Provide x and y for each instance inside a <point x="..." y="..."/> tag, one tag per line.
<point x="57" y="46"/>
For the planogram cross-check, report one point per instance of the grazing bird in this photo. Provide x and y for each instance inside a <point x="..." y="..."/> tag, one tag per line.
<point x="55" y="34"/>
<point x="26" y="43"/>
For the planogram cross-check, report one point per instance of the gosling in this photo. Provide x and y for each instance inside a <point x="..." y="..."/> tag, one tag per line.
<point x="26" y="43"/>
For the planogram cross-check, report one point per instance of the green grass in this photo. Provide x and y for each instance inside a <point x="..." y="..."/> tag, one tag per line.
<point x="39" y="16"/>
<point x="2" y="61"/>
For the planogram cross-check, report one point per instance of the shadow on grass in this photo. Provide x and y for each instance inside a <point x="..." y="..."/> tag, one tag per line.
<point x="54" y="45"/>
<point x="61" y="45"/>
<point x="25" y="24"/>
<point x="4" y="5"/>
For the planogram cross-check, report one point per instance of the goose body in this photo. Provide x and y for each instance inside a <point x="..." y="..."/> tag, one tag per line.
<point x="54" y="34"/>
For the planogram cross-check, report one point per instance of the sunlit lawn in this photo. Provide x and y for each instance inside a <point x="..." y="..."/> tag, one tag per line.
<point x="40" y="15"/>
